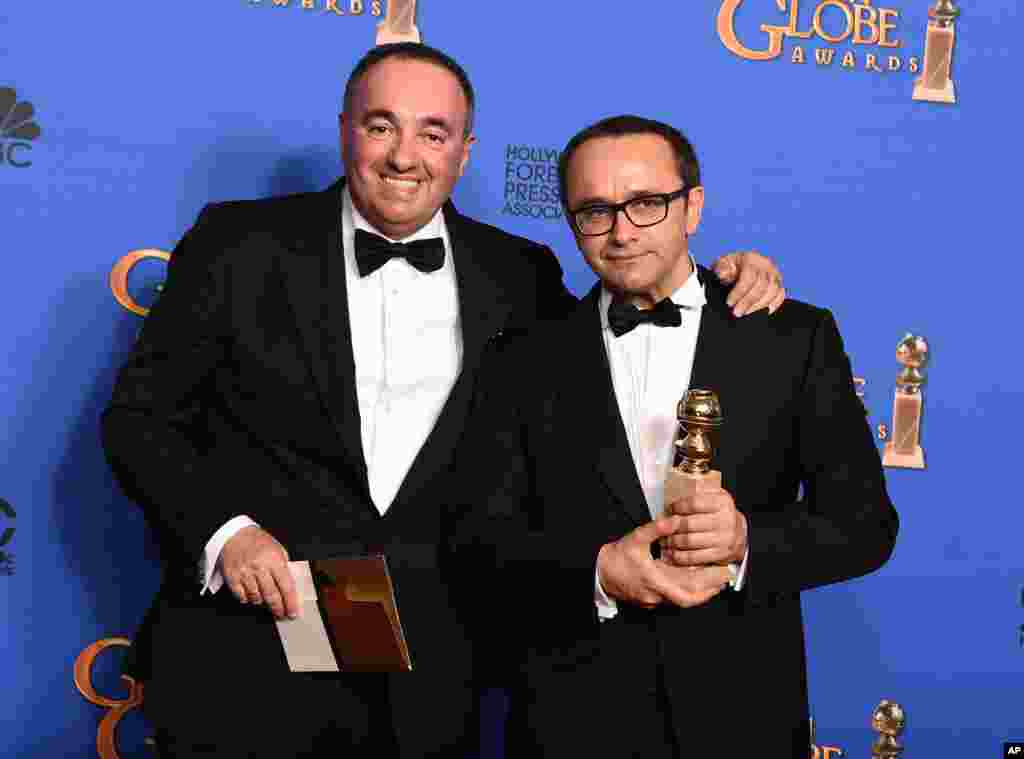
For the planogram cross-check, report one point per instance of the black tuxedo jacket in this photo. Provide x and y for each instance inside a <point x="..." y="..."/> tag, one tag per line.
<point x="239" y="398"/>
<point x="561" y="483"/>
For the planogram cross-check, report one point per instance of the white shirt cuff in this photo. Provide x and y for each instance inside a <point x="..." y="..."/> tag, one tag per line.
<point x="606" y="606"/>
<point x="741" y="572"/>
<point x="209" y="570"/>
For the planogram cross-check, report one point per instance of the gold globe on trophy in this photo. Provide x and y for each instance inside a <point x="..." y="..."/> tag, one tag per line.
<point x="888" y="720"/>
<point x="912" y="352"/>
<point x="698" y="413"/>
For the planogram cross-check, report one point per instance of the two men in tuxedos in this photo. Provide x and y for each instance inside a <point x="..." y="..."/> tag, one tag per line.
<point x="301" y="390"/>
<point x="653" y="629"/>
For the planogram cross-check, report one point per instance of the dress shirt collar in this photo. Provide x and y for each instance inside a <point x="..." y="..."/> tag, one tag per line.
<point x="689" y="296"/>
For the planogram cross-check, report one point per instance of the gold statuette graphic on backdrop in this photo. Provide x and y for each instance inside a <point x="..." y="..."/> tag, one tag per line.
<point x="888" y="720"/>
<point x="935" y="83"/>
<point x="904" y="446"/>
<point x="698" y="413"/>
<point x="399" y="25"/>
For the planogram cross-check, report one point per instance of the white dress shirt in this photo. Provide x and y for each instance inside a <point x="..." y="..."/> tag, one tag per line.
<point x="407" y="347"/>
<point x="650" y="368"/>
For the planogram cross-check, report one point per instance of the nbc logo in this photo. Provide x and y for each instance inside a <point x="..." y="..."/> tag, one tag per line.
<point x="17" y="129"/>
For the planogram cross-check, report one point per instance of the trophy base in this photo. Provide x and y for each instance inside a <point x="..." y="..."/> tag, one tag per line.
<point x="946" y="94"/>
<point x="680" y="484"/>
<point x="909" y="460"/>
<point x="385" y="36"/>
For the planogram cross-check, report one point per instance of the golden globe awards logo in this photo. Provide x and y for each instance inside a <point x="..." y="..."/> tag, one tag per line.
<point x="839" y="34"/>
<point x="531" y="182"/>
<point x="332" y="7"/>
<point x="18" y="130"/>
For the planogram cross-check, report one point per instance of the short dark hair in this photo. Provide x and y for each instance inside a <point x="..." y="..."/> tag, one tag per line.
<point x="413" y="51"/>
<point x="622" y="126"/>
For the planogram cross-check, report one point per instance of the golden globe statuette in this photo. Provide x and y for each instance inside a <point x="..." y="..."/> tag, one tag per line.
<point x="904" y="446"/>
<point x="399" y="25"/>
<point x="935" y="84"/>
<point x="698" y="413"/>
<point x="889" y="721"/>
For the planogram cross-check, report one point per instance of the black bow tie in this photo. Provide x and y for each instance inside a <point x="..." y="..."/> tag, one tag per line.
<point x="623" y="317"/>
<point x="373" y="251"/>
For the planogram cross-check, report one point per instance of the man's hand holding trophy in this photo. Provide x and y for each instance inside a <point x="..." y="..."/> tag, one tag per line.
<point x="713" y="531"/>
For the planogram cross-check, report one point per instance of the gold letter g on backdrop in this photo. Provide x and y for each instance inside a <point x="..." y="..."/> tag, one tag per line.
<point x="119" y="277"/>
<point x="727" y="31"/>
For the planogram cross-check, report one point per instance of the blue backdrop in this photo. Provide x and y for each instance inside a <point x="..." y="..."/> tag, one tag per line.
<point x="897" y="214"/>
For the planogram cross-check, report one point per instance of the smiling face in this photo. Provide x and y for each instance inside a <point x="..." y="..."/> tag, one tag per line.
<point x="403" y="143"/>
<point x="642" y="264"/>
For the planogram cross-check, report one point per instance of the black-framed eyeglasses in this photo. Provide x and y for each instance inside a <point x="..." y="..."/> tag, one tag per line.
<point x="642" y="211"/>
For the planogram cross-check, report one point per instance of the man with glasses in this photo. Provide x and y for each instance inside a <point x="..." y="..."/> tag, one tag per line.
<point x="654" y="629"/>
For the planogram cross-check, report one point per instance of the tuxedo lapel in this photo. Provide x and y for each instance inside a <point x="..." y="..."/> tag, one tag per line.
<point x="598" y="416"/>
<point x="709" y="359"/>
<point x="483" y="310"/>
<point x="482" y="304"/>
<point x="315" y="281"/>
<point x="714" y="365"/>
